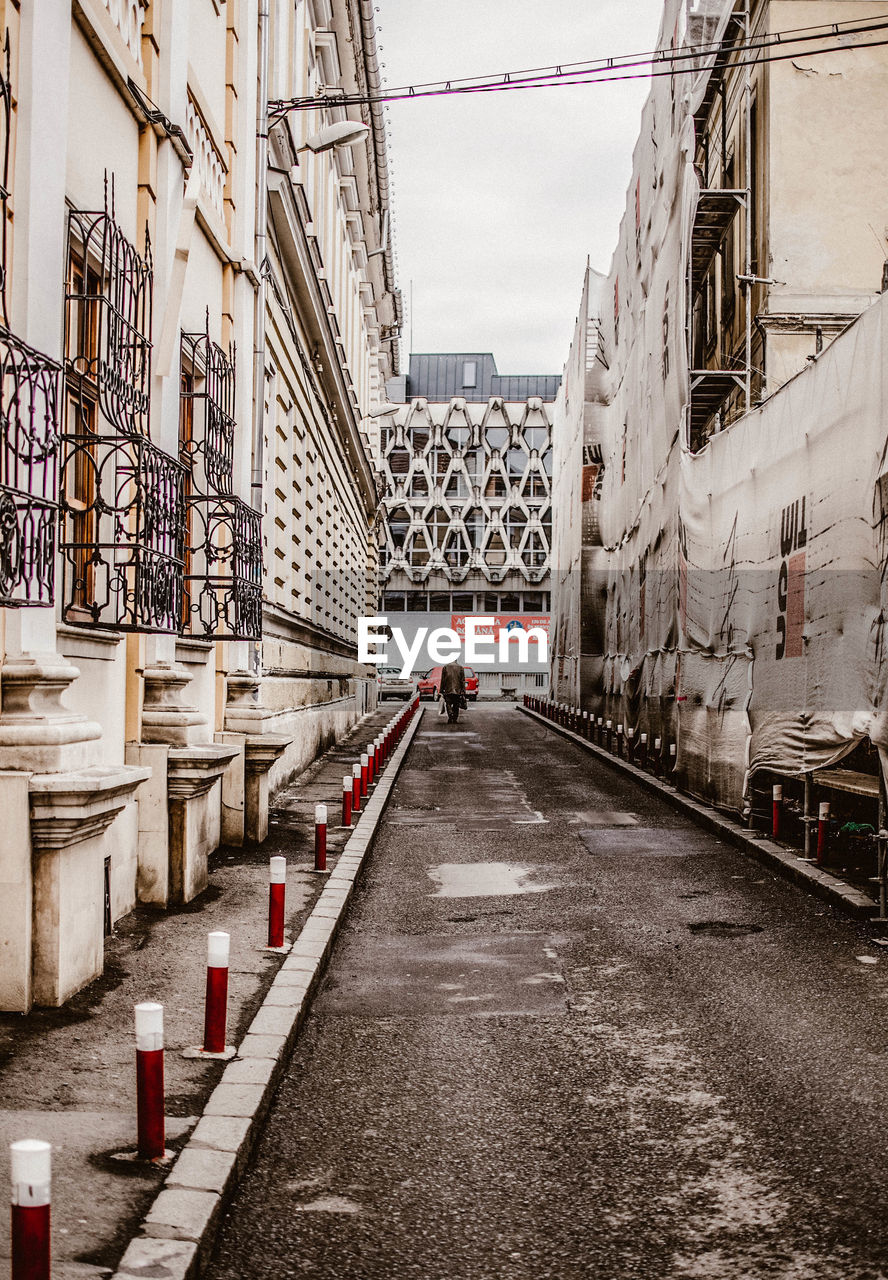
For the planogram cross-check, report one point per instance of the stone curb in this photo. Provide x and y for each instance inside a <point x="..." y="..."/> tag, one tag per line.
<point x="179" y="1228"/>
<point x="780" y="859"/>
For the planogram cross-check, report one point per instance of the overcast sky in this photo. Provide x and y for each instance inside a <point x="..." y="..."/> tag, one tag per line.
<point x="500" y="198"/>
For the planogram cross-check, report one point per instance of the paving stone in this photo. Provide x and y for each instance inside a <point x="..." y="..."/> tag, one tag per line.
<point x="158" y="1259"/>
<point x="221" y="1133"/>
<point x="198" y="1169"/>
<point x="272" y="1022"/>
<point x="261" y="1046"/>
<point x="235" y="1099"/>
<point x="250" y="1071"/>
<point x="181" y="1214"/>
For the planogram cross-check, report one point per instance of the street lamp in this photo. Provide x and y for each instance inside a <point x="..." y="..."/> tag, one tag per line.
<point x="343" y="133"/>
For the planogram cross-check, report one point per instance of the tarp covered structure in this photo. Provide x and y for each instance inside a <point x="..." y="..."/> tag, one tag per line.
<point x="730" y="599"/>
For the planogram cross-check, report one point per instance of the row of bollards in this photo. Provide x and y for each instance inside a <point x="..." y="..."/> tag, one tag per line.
<point x="661" y="760"/>
<point x="822" y="821"/>
<point x="31" y="1158"/>
<point x="619" y="741"/>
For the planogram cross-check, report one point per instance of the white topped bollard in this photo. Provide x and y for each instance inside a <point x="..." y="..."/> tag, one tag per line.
<point x="149" y="1080"/>
<point x="31" y="1168"/>
<point x="320" y="837"/>
<point x="277" y="895"/>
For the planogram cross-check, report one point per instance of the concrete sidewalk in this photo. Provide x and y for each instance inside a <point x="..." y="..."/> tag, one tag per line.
<point x="68" y="1075"/>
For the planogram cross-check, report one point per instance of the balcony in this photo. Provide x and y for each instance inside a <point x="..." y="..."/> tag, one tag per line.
<point x="223" y="551"/>
<point x="123" y="523"/>
<point x="29" y="449"/>
<point x="716" y="210"/>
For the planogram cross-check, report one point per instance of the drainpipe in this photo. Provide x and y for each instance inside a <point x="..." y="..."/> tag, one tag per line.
<point x="257" y="467"/>
<point x="258" y="460"/>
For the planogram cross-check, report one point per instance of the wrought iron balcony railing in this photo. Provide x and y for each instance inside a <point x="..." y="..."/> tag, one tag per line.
<point x="29" y="450"/>
<point x="108" y="318"/>
<point x="223" y="578"/>
<point x="123" y="528"/>
<point x="223" y="540"/>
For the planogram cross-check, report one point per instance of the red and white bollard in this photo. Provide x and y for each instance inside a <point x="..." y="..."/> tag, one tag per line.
<point x="371" y="762"/>
<point x="643" y="751"/>
<point x="776" y="806"/>
<point x="31" y="1174"/>
<point x="356" y="789"/>
<point x="216" y="1008"/>
<point x="630" y="743"/>
<point x="320" y="837"/>
<point x="620" y="741"/>
<point x="608" y="733"/>
<point x="365" y="766"/>
<point x="822" y="829"/>
<point x="149" y="1080"/>
<point x="347" y="800"/>
<point x="277" y="898"/>
<point x="673" y="756"/>
<point x="658" y="754"/>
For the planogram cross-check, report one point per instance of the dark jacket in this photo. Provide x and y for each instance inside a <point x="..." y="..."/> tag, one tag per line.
<point x="453" y="679"/>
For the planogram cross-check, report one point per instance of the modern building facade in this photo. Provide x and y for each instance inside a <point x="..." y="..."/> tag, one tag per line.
<point x="467" y="516"/>
<point x="186" y="372"/>
<point x="711" y="425"/>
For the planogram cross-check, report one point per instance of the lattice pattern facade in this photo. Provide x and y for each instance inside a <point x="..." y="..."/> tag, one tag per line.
<point x="468" y="493"/>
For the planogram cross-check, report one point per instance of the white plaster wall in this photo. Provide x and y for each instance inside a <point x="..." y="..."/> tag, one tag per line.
<point x="99" y="693"/>
<point x="94" y="98"/>
<point x="206" y="50"/>
<point x="203" y="288"/>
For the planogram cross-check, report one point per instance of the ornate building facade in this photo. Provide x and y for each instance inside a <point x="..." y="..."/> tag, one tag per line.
<point x="197" y="316"/>
<point x="467" y="513"/>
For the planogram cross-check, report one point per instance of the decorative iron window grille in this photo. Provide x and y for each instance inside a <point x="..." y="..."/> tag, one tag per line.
<point x="223" y="544"/>
<point x="108" y="317"/>
<point x="123" y="498"/>
<point x="29" y="447"/>
<point x="124" y="510"/>
<point x="29" y="429"/>
<point x="6" y="126"/>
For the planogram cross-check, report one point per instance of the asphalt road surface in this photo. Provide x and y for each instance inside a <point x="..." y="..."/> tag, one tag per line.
<point x="565" y="1033"/>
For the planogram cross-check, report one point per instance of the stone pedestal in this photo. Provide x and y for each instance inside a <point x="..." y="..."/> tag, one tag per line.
<point x="244" y="715"/>
<point x="153" y="876"/>
<point x="194" y="785"/>
<point x="166" y="716"/>
<point x="16" y="890"/>
<point x="70" y="814"/>
<point x="233" y="782"/>
<point x="260" y="754"/>
<point x="37" y="733"/>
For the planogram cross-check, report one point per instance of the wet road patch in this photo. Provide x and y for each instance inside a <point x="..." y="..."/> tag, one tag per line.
<point x="484" y="879"/>
<point x="480" y="974"/>
<point x="648" y="842"/>
<point x="723" y="928"/>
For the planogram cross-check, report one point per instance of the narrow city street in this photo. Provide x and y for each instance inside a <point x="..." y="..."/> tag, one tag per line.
<point x="565" y="1033"/>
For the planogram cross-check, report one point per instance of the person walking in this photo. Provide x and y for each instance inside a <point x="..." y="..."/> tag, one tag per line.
<point x="453" y="690"/>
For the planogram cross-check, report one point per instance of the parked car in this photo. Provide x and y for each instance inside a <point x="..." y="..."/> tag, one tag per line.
<point x="391" y="684"/>
<point x="429" y="684"/>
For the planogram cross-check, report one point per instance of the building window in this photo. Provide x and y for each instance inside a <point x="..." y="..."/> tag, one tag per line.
<point x="222" y="596"/>
<point x="470" y="373"/>
<point x="394" y="602"/>
<point x="439" y="602"/>
<point x="123" y="501"/>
